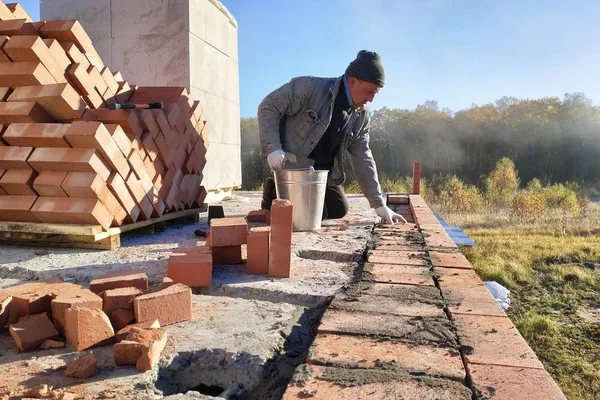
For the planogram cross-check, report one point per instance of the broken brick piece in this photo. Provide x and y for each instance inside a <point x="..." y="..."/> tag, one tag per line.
<point x="191" y="269"/>
<point x="35" y="297"/>
<point x="51" y="344"/>
<point x="119" y="298"/>
<point x="83" y="367"/>
<point x="258" y="250"/>
<point x="136" y="278"/>
<point x="31" y="331"/>
<point x="228" y="231"/>
<point x="168" y="306"/>
<point x="87" y="327"/>
<point x="154" y="341"/>
<point x="280" y="246"/>
<point x="122" y="334"/>
<point x="120" y="318"/>
<point x="127" y="352"/>
<point x="68" y="299"/>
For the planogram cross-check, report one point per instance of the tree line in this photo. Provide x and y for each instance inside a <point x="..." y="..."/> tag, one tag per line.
<point x="554" y="140"/>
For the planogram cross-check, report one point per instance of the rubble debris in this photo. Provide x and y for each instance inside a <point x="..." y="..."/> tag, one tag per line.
<point x="122" y="334"/>
<point x="141" y="347"/>
<point x="87" y="327"/>
<point x="32" y="330"/>
<point x="51" y="344"/>
<point x="83" y="367"/>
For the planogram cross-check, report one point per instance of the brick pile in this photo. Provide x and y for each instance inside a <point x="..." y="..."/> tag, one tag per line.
<point x="268" y="248"/>
<point x="65" y="157"/>
<point x="116" y="308"/>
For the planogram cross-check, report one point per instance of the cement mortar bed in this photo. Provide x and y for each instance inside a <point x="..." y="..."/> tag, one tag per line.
<point x="245" y="330"/>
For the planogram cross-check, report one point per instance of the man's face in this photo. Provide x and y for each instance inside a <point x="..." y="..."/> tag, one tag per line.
<point x="362" y="92"/>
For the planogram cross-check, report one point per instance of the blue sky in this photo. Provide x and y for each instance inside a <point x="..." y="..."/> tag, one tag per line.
<point x="458" y="52"/>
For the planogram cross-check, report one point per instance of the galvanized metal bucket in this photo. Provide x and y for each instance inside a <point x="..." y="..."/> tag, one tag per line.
<point x="306" y="190"/>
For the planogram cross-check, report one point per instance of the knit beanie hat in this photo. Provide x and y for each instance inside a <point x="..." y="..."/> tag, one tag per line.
<point x="367" y="67"/>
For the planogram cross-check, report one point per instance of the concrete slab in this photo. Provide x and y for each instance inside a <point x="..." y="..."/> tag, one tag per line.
<point x="149" y="17"/>
<point x="94" y="15"/>
<point x="215" y="176"/>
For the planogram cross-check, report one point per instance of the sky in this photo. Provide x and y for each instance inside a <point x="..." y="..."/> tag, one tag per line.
<point x="457" y="52"/>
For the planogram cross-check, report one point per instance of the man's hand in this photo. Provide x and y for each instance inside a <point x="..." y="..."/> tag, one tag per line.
<point x="388" y="216"/>
<point x="275" y="159"/>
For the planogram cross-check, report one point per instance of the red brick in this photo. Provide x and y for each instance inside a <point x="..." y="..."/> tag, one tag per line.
<point x="160" y="170"/>
<point x="127" y="352"/>
<point x="320" y="384"/>
<point x="31" y="331"/>
<point x="110" y="80"/>
<point x="166" y="282"/>
<point x="68" y="210"/>
<point x="390" y="305"/>
<point x="257" y="216"/>
<point x="96" y="77"/>
<point x="120" y="318"/>
<point x="3" y="57"/>
<point x="72" y="31"/>
<point x="154" y="341"/>
<point x="36" y="135"/>
<point x="6" y="13"/>
<point x="127" y="119"/>
<point x="227" y="255"/>
<point x="199" y="201"/>
<point x="166" y="94"/>
<point x="18" y="74"/>
<point x="168" y="306"/>
<point x="85" y="85"/>
<point x="280" y="250"/>
<point x="117" y="185"/>
<point x="125" y="92"/>
<point x="33" y="49"/>
<point x="505" y="383"/>
<point x="17" y="208"/>
<point x="18" y="111"/>
<point x="397" y="257"/>
<point x="191" y="270"/>
<point x="397" y="199"/>
<point x="83" y="367"/>
<point x="494" y="340"/>
<point x="196" y="112"/>
<point x="58" y="53"/>
<point x="75" y="55"/>
<point x="449" y="260"/>
<point x="17" y="27"/>
<point x="68" y="160"/>
<point x="69" y="299"/>
<point x="60" y="100"/>
<point x="18" y="182"/>
<point x="119" y="298"/>
<point x="135" y="278"/>
<point x="48" y="184"/>
<point x="120" y="138"/>
<point x="35" y="298"/>
<point x="87" y="327"/>
<point x="87" y="134"/>
<point x="5" y="300"/>
<point x="17" y="11"/>
<point x="139" y="195"/>
<point x="399" y="274"/>
<point x="258" y="250"/>
<point x="150" y="146"/>
<point x="4" y="93"/>
<point x="122" y="334"/>
<point x="469" y="299"/>
<point x="372" y="352"/>
<point x="228" y="231"/>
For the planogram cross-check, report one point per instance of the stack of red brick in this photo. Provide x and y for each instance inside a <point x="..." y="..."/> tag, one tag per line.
<point x="116" y="308"/>
<point x="268" y="247"/>
<point x="65" y="157"/>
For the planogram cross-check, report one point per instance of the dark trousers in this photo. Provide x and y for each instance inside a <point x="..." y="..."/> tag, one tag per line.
<point x="335" y="207"/>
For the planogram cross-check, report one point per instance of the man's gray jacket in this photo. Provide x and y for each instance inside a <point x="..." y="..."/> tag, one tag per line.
<point x="307" y="103"/>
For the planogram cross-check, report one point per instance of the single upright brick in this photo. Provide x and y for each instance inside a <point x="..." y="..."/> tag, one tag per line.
<point x="87" y="327"/>
<point x="17" y="27"/>
<point x="59" y="100"/>
<point x="141" y="347"/>
<point x="280" y="246"/>
<point x="191" y="269"/>
<point x="69" y="210"/>
<point x="28" y="73"/>
<point x="33" y="49"/>
<point x="119" y="298"/>
<point x="168" y="306"/>
<point x="31" y="331"/>
<point x="228" y="231"/>
<point x="117" y="185"/>
<point x="36" y="135"/>
<point x="91" y="185"/>
<point x="69" y="299"/>
<point x="48" y="184"/>
<point x="68" y="160"/>
<point x="14" y="157"/>
<point x="17" y="208"/>
<point x="258" y="250"/>
<point x="19" y="111"/>
<point x="135" y="278"/>
<point x="89" y="134"/>
<point x="18" y="182"/>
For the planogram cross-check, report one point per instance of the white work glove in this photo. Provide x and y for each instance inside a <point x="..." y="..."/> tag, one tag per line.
<point x="388" y="216"/>
<point x="275" y="159"/>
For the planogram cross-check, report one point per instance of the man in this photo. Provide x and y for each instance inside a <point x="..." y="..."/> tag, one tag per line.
<point x="322" y="121"/>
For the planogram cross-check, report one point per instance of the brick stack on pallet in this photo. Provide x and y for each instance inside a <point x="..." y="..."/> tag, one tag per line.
<point x="116" y="308"/>
<point x="65" y="157"/>
<point x="268" y="247"/>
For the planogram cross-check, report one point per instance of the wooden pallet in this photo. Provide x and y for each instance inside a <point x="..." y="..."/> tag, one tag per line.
<point x="85" y="236"/>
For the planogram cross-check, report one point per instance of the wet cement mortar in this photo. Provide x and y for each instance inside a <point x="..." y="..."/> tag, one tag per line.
<point x="247" y="335"/>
